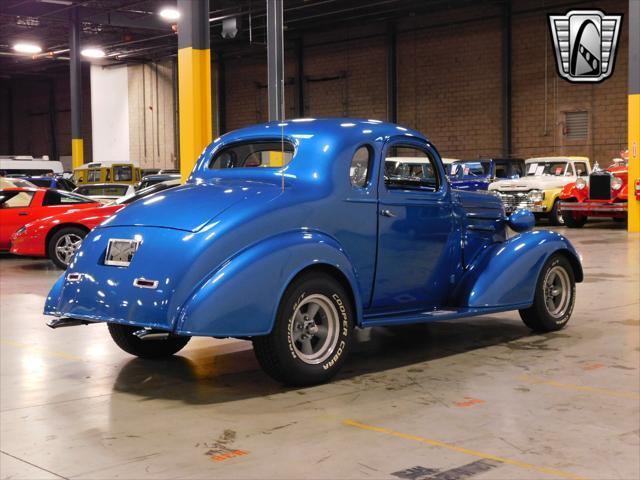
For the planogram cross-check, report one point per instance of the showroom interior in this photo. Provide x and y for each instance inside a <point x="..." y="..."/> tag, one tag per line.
<point x="424" y="262"/>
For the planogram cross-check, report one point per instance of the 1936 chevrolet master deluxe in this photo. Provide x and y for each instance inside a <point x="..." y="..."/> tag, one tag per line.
<point x="292" y="234"/>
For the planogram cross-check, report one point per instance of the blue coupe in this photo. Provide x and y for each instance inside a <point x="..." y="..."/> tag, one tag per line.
<point x="291" y="234"/>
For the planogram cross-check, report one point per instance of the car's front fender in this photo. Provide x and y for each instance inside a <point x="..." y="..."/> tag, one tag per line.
<point x="507" y="272"/>
<point x="241" y="297"/>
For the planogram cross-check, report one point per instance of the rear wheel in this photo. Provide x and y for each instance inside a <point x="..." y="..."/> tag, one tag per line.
<point x="555" y="216"/>
<point x="554" y="297"/>
<point x="312" y="333"/>
<point x="63" y="245"/>
<point x="152" y="348"/>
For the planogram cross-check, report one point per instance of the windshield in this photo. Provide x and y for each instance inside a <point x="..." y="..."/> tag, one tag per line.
<point x="103" y="190"/>
<point x="469" y="169"/>
<point x="555" y="169"/>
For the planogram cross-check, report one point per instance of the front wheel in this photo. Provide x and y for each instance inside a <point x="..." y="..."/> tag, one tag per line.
<point x="572" y="220"/>
<point x="555" y="215"/>
<point x="152" y="348"/>
<point x="312" y="333"/>
<point x="554" y="297"/>
<point x="64" y="244"/>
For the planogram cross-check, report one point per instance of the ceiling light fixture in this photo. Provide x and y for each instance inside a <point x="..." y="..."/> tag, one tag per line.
<point x="92" y="52"/>
<point x="27" y="48"/>
<point x="170" y="13"/>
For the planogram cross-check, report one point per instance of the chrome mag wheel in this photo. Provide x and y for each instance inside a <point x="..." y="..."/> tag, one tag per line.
<point x="66" y="247"/>
<point x="557" y="291"/>
<point x="315" y="328"/>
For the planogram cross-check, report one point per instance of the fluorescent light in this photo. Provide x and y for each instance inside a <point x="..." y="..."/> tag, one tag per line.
<point x="92" y="52"/>
<point x="27" y="48"/>
<point x="170" y="13"/>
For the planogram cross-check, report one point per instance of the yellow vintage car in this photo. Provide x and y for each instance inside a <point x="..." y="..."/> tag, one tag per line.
<point x="539" y="189"/>
<point x="107" y="172"/>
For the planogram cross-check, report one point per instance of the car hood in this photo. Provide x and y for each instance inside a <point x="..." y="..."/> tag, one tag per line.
<point x="530" y="183"/>
<point x="190" y="207"/>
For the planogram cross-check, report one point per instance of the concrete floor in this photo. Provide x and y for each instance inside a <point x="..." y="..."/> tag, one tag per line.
<point x="478" y="398"/>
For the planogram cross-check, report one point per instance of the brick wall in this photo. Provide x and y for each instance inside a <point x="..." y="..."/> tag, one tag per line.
<point x="30" y="120"/>
<point x="450" y="82"/>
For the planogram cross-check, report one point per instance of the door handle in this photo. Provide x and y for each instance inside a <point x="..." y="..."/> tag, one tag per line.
<point x="387" y="213"/>
<point x="23" y="214"/>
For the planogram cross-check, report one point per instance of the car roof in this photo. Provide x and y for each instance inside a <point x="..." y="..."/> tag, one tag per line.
<point x="557" y="159"/>
<point x="321" y="129"/>
<point x="26" y="189"/>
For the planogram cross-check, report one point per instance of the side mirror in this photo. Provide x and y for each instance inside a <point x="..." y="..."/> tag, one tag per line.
<point x="521" y="220"/>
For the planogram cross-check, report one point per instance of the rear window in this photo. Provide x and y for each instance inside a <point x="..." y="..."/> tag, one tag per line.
<point x="254" y="155"/>
<point x="103" y="191"/>
<point x="56" y="197"/>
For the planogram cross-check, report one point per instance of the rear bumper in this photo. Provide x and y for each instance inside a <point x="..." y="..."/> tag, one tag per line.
<point x="593" y="207"/>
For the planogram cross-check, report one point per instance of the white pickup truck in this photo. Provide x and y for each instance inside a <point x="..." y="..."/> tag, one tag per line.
<point x="539" y="189"/>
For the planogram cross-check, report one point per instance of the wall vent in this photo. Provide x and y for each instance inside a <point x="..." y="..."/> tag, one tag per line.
<point x="576" y="125"/>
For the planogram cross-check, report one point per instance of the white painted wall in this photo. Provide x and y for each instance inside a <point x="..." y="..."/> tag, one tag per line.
<point x="110" y="113"/>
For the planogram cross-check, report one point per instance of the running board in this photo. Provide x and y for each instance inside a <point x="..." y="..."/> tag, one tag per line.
<point x="379" y="319"/>
<point x="66" y="322"/>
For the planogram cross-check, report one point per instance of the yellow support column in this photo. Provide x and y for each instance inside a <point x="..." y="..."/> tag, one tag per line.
<point x="634" y="113"/>
<point x="194" y="82"/>
<point x="634" y="161"/>
<point x="77" y="152"/>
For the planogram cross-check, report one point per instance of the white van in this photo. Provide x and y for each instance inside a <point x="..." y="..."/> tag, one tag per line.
<point x="24" y="165"/>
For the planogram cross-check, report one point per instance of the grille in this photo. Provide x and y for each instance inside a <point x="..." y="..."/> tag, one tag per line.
<point x="514" y="200"/>
<point x="600" y="187"/>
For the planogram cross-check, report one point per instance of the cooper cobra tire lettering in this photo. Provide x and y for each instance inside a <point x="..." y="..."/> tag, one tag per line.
<point x="281" y="353"/>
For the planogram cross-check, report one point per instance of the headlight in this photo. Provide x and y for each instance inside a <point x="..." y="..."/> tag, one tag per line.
<point x="581" y="183"/>
<point x="616" y="183"/>
<point x="20" y="231"/>
<point x="536" y="195"/>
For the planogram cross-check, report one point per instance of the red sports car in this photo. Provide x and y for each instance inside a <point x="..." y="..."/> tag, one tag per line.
<point x="19" y="206"/>
<point x="58" y="237"/>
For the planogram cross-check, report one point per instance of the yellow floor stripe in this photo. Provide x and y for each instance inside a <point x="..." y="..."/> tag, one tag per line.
<point x="581" y="388"/>
<point x="474" y="453"/>
<point x="51" y="353"/>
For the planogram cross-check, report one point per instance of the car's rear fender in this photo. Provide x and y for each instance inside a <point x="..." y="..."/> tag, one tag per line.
<point x="240" y="298"/>
<point x="507" y="272"/>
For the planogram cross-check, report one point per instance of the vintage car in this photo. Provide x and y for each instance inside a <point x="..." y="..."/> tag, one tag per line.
<point x="603" y="194"/>
<point x="479" y="174"/>
<point x="291" y="234"/>
<point x="59" y="236"/>
<point x="19" y="206"/>
<point x="539" y="190"/>
<point x="107" y="172"/>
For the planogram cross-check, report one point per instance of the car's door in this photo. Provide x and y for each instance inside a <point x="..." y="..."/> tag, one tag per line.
<point x="414" y="228"/>
<point x="15" y="210"/>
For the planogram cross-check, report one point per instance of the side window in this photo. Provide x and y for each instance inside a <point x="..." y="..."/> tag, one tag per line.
<point x="360" y="167"/>
<point x="581" y="169"/>
<point x="93" y="175"/>
<point x="254" y="155"/>
<point x="410" y="167"/>
<point x="15" y="199"/>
